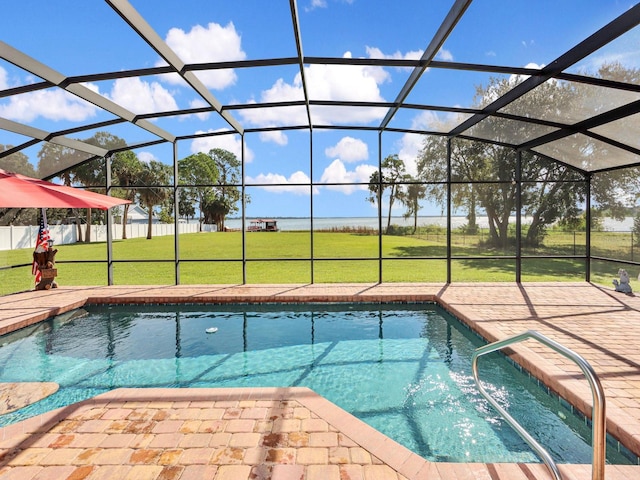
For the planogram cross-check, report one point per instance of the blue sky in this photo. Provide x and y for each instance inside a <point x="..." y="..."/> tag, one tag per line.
<point x="81" y="37"/>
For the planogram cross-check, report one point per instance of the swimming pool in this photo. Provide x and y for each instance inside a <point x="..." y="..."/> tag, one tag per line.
<point x="404" y="369"/>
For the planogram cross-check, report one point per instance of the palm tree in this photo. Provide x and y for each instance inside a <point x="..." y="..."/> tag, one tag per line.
<point x="57" y="161"/>
<point x="151" y="191"/>
<point x="393" y="170"/>
<point x="126" y="169"/>
<point x="90" y="174"/>
<point x="411" y="197"/>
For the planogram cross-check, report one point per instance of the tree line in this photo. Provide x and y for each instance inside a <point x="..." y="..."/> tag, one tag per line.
<point x="489" y="178"/>
<point x="207" y="184"/>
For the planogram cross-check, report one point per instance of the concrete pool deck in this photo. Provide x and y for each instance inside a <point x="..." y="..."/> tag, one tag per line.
<point x="293" y="433"/>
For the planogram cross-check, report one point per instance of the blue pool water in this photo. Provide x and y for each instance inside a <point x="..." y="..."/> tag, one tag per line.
<point x="404" y="369"/>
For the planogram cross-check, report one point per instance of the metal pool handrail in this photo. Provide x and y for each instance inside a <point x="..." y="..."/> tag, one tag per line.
<point x="599" y="404"/>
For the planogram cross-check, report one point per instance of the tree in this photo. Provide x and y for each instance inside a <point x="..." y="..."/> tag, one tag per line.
<point x="17" y="163"/>
<point x="616" y="190"/>
<point x="227" y="195"/>
<point x="126" y="168"/>
<point x="555" y="194"/>
<point x="149" y="185"/>
<point x="87" y="174"/>
<point x="375" y="189"/>
<point x="185" y="205"/>
<point x="392" y="171"/>
<point x="498" y="198"/>
<point x="57" y="161"/>
<point x="485" y="174"/>
<point x="93" y="173"/>
<point x="197" y="173"/>
<point x="214" y="210"/>
<point x="210" y="180"/>
<point x="636" y="229"/>
<point x="72" y="167"/>
<point x="411" y="197"/>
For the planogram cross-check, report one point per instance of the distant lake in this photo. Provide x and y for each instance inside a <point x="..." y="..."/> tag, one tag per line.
<point x="325" y="223"/>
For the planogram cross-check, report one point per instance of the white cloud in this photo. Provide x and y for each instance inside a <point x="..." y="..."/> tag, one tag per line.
<point x="52" y="104"/>
<point x="213" y="43"/>
<point x="274" y="116"/>
<point x="277" y="137"/>
<point x="534" y="65"/>
<point x="346" y="82"/>
<point x="445" y="55"/>
<point x="4" y="82"/>
<point x="438" y="122"/>
<point x="337" y="173"/>
<point x="375" y="52"/>
<point x="624" y="51"/>
<point x="282" y="91"/>
<point x="8" y="80"/>
<point x="324" y="82"/>
<point x="316" y="4"/>
<point x="409" y="147"/>
<point x="146" y="157"/>
<point x="231" y="143"/>
<point x="199" y="103"/>
<point x="322" y="4"/>
<point x="515" y="78"/>
<point x="348" y="149"/>
<point x="141" y="97"/>
<point x="410" y="144"/>
<point x="296" y="183"/>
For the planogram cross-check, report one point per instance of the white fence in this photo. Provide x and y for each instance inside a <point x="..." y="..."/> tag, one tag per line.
<point x="12" y="238"/>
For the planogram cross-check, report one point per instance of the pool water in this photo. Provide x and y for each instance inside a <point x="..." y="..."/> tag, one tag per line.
<point x="403" y="369"/>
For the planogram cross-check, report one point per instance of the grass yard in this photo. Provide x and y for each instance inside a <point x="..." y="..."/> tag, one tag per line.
<point x="216" y="258"/>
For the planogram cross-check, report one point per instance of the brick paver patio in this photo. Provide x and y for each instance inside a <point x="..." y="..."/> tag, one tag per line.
<point x="292" y="433"/>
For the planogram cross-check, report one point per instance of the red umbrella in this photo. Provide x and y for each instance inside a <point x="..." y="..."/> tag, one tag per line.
<point x="18" y="191"/>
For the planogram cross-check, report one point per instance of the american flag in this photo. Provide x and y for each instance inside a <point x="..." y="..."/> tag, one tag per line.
<point x="42" y="245"/>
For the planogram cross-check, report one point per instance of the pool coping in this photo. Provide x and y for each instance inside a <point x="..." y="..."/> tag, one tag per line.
<point x="621" y="424"/>
<point x="17" y="395"/>
<point x="389" y="452"/>
<point x="92" y="439"/>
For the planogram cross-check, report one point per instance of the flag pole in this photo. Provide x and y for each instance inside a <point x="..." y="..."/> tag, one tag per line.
<point x="44" y="217"/>
<point x="43" y="256"/>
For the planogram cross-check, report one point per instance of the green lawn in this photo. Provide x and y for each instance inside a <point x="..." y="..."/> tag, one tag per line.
<point x="338" y="257"/>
